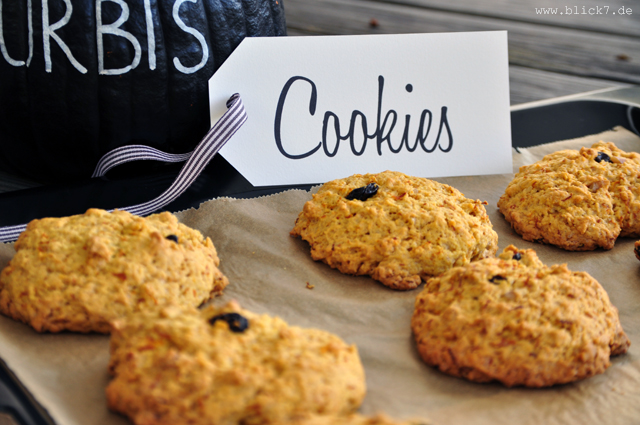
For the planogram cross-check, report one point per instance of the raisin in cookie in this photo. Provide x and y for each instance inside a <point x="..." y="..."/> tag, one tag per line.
<point x="226" y="365"/>
<point x="514" y="320"/>
<point x="78" y="273"/>
<point x="576" y="200"/>
<point x="396" y="228"/>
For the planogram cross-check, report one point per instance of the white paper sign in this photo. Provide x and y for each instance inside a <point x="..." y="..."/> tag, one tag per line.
<point x="321" y="108"/>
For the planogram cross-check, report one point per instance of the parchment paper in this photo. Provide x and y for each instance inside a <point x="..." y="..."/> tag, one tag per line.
<point x="269" y="272"/>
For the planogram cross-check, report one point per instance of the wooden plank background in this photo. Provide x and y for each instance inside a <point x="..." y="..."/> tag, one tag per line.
<point x="550" y="55"/>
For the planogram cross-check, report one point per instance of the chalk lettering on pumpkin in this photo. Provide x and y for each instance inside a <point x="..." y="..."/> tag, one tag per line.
<point x="114" y="29"/>
<point x="49" y="32"/>
<point x="3" y="46"/>
<point x="193" y="32"/>
<point x="151" y="38"/>
<point x="382" y="133"/>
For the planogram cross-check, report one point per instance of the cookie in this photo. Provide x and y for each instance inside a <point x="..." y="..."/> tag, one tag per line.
<point x="398" y="229"/>
<point x="514" y="320"/>
<point x="577" y="200"/>
<point x="226" y="365"/>
<point x="80" y="272"/>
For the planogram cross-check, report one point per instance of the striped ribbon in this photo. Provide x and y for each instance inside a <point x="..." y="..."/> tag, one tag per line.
<point x="196" y="161"/>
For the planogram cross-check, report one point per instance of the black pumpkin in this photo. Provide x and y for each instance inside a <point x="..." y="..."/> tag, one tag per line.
<point x="108" y="73"/>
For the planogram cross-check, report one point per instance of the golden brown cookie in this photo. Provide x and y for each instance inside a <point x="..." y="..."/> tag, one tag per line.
<point x="514" y="320"/>
<point x="577" y="200"/>
<point x="405" y="230"/>
<point x="180" y="365"/>
<point x="80" y="272"/>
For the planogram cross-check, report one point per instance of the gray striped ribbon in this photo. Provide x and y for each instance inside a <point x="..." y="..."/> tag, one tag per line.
<point x="196" y="161"/>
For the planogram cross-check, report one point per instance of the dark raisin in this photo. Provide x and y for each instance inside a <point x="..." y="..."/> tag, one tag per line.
<point x="172" y="238"/>
<point x="517" y="256"/>
<point x="602" y="157"/>
<point x="496" y="279"/>
<point x="236" y="322"/>
<point x="363" y="193"/>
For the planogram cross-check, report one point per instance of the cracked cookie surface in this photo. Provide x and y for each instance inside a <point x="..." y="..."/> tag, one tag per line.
<point x="578" y="200"/>
<point x="412" y="228"/>
<point x="77" y="273"/>
<point x="514" y="320"/>
<point x="179" y="365"/>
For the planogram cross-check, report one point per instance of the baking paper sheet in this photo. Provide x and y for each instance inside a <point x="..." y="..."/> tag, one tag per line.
<point x="269" y="272"/>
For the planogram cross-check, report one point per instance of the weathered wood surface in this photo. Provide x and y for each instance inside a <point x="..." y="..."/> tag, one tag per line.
<point x="590" y="15"/>
<point x="550" y="55"/>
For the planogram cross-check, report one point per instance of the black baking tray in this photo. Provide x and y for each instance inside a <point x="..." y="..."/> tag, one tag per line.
<point x="135" y="183"/>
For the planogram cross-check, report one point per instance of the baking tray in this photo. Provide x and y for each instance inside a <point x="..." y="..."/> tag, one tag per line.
<point x="531" y="124"/>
